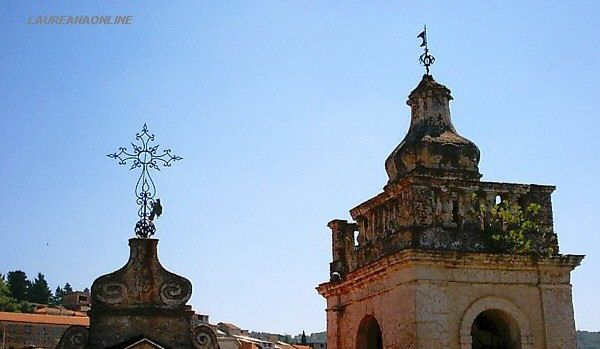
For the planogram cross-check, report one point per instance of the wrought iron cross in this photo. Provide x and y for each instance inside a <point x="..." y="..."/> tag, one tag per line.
<point x="145" y="157"/>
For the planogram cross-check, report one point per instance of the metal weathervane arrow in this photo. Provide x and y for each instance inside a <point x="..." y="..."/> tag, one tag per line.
<point x="425" y="59"/>
<point x="146" y="157"/>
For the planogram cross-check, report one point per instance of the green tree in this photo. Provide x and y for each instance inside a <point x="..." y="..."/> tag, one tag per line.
<point x="58" y="296"/>
<point x="8" y="302"/>
<point x="60" y="292"/>
<point x="67" y="289"/>
<point x="39" y="292"/>
<point x="17" y="281"/>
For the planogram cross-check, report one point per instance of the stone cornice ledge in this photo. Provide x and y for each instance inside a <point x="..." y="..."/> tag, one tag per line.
<point x="449" y="259"/>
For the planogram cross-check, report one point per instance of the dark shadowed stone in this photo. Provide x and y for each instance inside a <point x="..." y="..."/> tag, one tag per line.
<point x="432" y="147"/>
<point x="142" y="284"/>
<point x="141" y="305"/>
<point x="75" y="337"/>
<point x="141" y="300"/>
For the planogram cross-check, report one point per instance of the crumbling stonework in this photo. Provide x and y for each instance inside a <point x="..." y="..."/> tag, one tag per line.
<point x="141" y="303"/>
<point x="432" y="146"/>
<point x="141" y="299"/>
<point x="436" y="214"/>
<point x="423" y="265"/>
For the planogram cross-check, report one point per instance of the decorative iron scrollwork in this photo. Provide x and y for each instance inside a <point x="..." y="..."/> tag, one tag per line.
<point x="146" y="157"/>
<point x="145" y="228"/>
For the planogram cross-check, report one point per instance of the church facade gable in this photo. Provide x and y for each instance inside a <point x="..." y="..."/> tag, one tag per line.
<point x="144" y="343"/>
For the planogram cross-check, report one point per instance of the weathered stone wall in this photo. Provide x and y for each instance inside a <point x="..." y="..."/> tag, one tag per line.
<point x="142" y="299"/>
<point x="22" y="334"/>
<point x="140" y="303"/>
<point x="556" y="298"/>
<point x="171" y="328"/>
<point x="392" y="310"/>
<point x="426" y="300"/>
<point x="434" y="215"/>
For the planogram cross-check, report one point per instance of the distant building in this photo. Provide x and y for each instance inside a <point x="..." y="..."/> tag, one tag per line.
<point x="314" y="340"/>
<point x="43" y="309"/>
<point x="18" y="330"/>
<point x="77" y="301"/>
<point x="198" y="319"/>
<point x="320" y="345"/>
<point x="231" y="329"/>
<point x="231" y="336"/>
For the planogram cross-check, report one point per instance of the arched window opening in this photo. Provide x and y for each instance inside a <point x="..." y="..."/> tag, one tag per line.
<point x="495" y="329"/>
<point x="369" y="334"/>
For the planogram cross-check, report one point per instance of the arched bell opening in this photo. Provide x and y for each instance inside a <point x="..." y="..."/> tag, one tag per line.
<point x="369" y="334"/>
<point x="495" y="329"/>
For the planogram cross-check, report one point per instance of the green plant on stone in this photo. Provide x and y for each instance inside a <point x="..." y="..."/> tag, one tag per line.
<point x="513" y="227"/>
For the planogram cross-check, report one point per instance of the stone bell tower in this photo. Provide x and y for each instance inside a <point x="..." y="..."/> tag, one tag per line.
<point x="440" y="259"/>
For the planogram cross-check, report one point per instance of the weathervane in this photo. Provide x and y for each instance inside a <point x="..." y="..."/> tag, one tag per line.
<point x="145" y="157"/>
<point x="425" y="59"/>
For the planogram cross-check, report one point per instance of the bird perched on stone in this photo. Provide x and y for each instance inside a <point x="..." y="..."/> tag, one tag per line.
<point x="156" y="209"/>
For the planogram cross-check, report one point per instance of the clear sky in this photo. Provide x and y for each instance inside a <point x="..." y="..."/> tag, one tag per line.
<point x="284" y="112"/>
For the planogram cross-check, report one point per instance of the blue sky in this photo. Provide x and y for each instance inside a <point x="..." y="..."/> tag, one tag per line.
<point x="284" y="113"/>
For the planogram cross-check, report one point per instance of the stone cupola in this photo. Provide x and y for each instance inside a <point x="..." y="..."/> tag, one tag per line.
<point x="432" y="147"/>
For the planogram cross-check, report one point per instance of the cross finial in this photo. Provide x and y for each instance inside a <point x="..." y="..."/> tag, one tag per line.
<point x="146" y="157"/>
<point x="425" y="59"/>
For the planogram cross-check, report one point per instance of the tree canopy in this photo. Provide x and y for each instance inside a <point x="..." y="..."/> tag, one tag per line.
<point x="17" y="281"/>
<point x="39" y="292"/>
<point x="8" y="302"/>
<point x="17" y="293"/>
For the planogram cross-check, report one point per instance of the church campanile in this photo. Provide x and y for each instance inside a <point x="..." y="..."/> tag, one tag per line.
<point x="442" y="260"/>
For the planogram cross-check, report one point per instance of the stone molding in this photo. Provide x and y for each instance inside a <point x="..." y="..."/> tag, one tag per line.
<point x="447" y="259"/>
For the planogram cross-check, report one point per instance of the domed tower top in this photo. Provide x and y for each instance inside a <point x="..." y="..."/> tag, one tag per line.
<point x="432" y="147"/>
